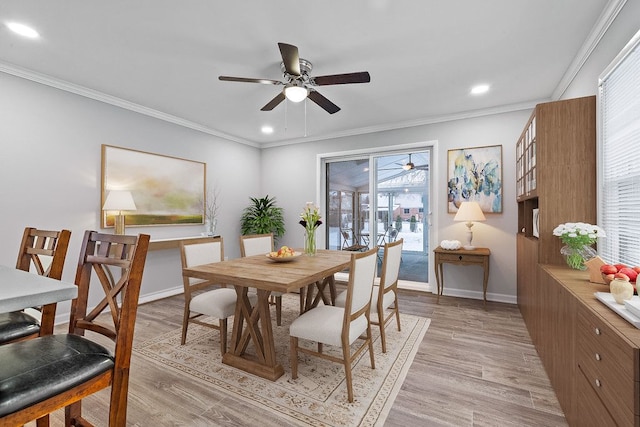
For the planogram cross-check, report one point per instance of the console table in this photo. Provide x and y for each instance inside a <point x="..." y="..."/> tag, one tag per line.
<point x="172" y="242"/>
<point x="477" y="256"/>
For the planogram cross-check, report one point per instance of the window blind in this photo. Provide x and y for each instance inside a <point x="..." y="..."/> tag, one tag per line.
<point x="619" y="157"/>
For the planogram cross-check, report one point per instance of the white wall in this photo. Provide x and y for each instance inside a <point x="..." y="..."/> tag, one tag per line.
<point x="50" y="168"/>
<point x="298" y="185"/>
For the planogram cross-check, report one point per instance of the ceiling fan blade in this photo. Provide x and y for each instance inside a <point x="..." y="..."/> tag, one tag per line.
<point x="290" y="58"/>
<point x="323" y="102"/>
<point x="249" y="80"/>
<point x="274" y="102"/>
<point x="341" y="79"/>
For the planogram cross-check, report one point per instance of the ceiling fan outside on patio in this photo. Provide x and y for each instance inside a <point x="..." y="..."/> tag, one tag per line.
<point x="409" y="166"/>
<point x="298" y="84"/>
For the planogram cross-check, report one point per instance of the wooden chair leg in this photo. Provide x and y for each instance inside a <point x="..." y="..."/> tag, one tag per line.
<point x="72" y="413"/>
<point x="43" y="421"/>
<point x="346" y="356"/>
<point x="383" y="337"/>
<point x="397" y="312"/>
<point x="185" y="325"/>
<point x="223" y="336"/>
<point x="293" y="349"/>
<point x="370" y="339"/>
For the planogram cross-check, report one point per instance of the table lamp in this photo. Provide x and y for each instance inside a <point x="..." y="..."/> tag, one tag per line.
<point x="119" y="201"/>
<point x="469" y="212"/>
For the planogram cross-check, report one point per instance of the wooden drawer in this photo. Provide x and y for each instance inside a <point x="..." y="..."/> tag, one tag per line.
<point x="590" y="411"/>
<point x="459" y="258"/>
<point x="607" y="361"/>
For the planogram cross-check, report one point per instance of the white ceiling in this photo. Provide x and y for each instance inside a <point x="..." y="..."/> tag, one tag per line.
<point x="163" y="57"/>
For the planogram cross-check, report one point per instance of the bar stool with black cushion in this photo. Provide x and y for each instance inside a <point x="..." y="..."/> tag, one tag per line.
<point x="340" y="326"/>
<point x="348" y="242"/>
<point x="39" y="248"/>
<point x="219" y="303"/>
<point x="385" y="291"/>
<point x="262" y="244"/>
<point x="44" y="374"/>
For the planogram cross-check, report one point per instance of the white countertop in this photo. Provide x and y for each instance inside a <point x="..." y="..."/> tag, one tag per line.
<point x="19" y="289"/>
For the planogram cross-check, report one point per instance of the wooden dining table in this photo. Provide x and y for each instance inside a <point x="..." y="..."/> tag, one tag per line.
<point x="20" y="289"/>
<point x="310" y="275"/>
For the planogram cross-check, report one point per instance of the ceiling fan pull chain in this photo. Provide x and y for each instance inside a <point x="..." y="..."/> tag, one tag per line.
<point x="305" y="117"/>
<point x="285" y="115"/>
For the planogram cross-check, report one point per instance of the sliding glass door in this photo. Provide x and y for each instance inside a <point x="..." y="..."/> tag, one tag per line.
<point x="399" y="208"/>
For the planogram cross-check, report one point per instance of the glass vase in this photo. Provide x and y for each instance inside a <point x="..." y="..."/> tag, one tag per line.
<point x="310" y="242"/>
<point x="575" y="257"/>
<point x="210" y="227"/>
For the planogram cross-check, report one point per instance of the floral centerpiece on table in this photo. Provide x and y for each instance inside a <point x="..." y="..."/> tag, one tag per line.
<point x="578" y="238"/>
<point x="310" y="219"/>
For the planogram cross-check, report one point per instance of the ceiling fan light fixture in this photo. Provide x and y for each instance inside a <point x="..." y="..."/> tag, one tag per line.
<point x="295" y="93"/>
<point x="408" y="166"/>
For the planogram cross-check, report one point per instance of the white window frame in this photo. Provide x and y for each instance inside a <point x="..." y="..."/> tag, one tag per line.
<point x="618" y="147"/>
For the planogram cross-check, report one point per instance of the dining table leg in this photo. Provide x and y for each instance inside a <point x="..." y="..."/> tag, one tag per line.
<point x="252" y="324"/>
<point x="313" y="298"/>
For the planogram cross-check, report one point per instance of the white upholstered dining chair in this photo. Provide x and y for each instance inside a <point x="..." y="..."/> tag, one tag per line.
<point x="262" y="244"/>
<point x="219" y="303"/>
<point x="385" y="290"/>
<point x="340" y="326"/>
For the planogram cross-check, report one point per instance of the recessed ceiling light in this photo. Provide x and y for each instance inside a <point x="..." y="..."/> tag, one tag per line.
<point x="23" y="30"/>
<point x="267" y="130"/>
<point x="479" y="89"/>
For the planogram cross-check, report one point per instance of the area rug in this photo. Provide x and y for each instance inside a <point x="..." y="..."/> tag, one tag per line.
<point x="318" y="397"/>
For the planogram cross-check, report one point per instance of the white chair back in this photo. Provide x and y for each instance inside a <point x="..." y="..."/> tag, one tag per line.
<point x="363" y="271"/>
<point x="256" y="244"/>
<point x="391" y="263"/>
<point x="212" y="250"/>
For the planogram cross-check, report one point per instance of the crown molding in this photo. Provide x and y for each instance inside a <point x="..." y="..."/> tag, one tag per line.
<point x="598" y="31"/>
<point x="528" y="105"/>
<point x="115" y="101"/>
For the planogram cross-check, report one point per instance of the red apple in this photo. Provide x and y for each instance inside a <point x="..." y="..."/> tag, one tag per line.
<point x="621" y="276"/>
<point x="619" y="266"/>
<point x="608" y="269"/>
<point x="629" y="272"/>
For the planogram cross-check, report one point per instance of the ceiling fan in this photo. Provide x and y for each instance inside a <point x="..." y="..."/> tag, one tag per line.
<point x="298" y="84"/>
<point x="409" y="166"/>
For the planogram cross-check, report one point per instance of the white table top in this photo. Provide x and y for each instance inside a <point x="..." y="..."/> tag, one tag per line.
<point x="19" y="289"/>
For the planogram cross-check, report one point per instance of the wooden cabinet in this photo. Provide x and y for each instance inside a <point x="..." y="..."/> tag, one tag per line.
<point x="606" y="360"/>
<point x="556" y="177"/>
<point x="591" y="354"/>
<point x="556" y="171"/>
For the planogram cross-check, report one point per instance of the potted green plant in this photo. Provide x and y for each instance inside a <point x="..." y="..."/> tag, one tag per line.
<point x="262" y="217"/>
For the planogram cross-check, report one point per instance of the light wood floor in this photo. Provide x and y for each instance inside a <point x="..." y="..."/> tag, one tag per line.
<point x="475" y="367"/>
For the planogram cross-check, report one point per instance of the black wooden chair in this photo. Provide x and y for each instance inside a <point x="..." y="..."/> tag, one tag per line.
<point x="41" y="375"/>
<point x="43" y="252"/>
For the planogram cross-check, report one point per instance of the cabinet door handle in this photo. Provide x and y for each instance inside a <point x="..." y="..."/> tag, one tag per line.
<point x="598" y="383"/>
<point x="597" y="331"/>
<point x="598" y="356"/>
<point x="459" y="257"/>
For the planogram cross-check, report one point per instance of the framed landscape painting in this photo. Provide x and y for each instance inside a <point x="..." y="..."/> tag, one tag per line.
<point x="166" y="190"/>
<point x="475" y="175"/>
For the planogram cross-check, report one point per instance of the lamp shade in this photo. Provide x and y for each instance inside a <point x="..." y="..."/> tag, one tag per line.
<point x="295" y="93"/>
<point x="469" y="211"/>
<point x="118" y="200"/>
